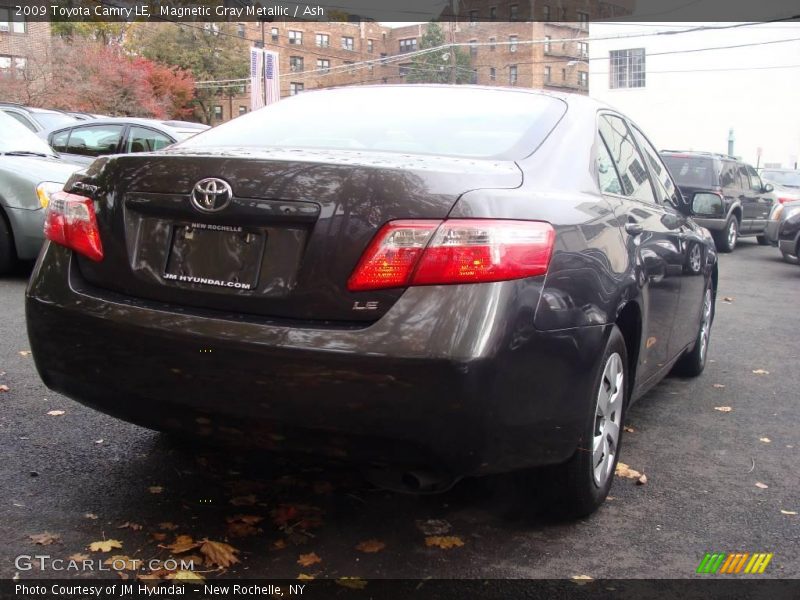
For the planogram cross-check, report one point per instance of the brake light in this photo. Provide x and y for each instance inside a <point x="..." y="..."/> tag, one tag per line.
<point x="785" y="200"/>
<point x="70" y="220"/>
<point x="408" y="253"/>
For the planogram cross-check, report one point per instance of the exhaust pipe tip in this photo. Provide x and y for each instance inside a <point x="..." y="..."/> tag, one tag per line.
<point x="411" y="482"/>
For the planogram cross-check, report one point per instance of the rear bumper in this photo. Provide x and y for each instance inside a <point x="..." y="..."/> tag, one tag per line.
<point x="771" y="231"/>
<point x="453" y="377"/>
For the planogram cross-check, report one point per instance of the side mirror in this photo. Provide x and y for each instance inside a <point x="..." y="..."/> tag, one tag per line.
<point x="768" y="187"/>
<point x="708" y="205"/>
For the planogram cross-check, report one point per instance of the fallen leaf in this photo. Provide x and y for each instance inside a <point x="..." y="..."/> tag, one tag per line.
<point x="219" y="553"/>
<point x="788" y="512"/>
<point x="719" y="385"/>
<point x="100" y="441"/>
<point x="45" y="539"/>
<point x="766" y="440"/>
<point x="370" y="546"/>
<point x="126" y="562"/>
<point x="642" y="480"/>
<point x="354" y="583"/>
<point x="123" y="576"/>
<point x="727" y="299"/>
<point x="760" y="372"/>
<point x="723" y="408"/>
<point x="3" y="388"/>
<point x="167" y="526"/>
<point x="304" y="577"/>
<point x="193" y="560"/>
<point x="105" y="545"/>
<point x="248" y="500"/>
<point x="629" y="429"/>
<point x="239" y="529"/>
<point x="444" y="542"/>
<point x="156" y="575"/>
<point x="55" y="413"/>
<point x="184" y="575"/>
<point x="249" y="519"/>
<point x="434" y="526"/>
<point x="155" y="489"/>
<point x="306" y="560"/>
<point x="760" y="485"/>
<point x="24" y="352"/>
<point x="158" y="537"/>
<point x="279" y="544"/>
<point x="182" y="543"/>
<point x="624" y="470"/>
<point x="131" y="526"/>
<point x="80" y="557"/>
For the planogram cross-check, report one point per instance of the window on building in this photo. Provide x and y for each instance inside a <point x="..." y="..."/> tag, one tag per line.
<point x="323" y="40"/>
<point x="12" y="66"/>
<point x="583" y="19"/>
<point x="493" y="13"/>
<point x="473" y="76"/>
<point x="583" y="49"/>
<point x="513" y="12"/>
<point x="240" y="29"/>
<point x="295" y="88"/>
<point x="492" y="74"/>
<point x="547" y="40"/>
<point x="348" y="66"/>
<point x="513" y="40"/>
<point x="627" y="68"/>
<point x="473" y="18"/>
<point x="512" y="75"/>
<point x="547" y="74"/>
<point x="217" y="112"/>
<point x="242" y="110"/>
<point x="296" y="64"/>
<point x="383" y="58"/>
<point x="9" y="22"/>
<point x="492" y="44"/>
<point x="583" y="79"/>
<point x="473" y="48"/>
<point x="348" y="43"/>
<point x="276" y="36"/>
<point x="323" y="65"/>
<point x="546" y="12"/>
<point x="296" y="37"/>
<point x="370" y="46"/>
<point x="408" y="45"/>
<point x="629" y="163"/>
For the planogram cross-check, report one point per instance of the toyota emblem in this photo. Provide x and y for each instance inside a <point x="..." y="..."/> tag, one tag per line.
<point x="211" y="194"/>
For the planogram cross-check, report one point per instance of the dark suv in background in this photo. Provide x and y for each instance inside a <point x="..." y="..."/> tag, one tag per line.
<point x="727" y="196"/>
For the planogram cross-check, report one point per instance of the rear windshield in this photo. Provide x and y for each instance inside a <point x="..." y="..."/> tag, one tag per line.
<point x="787" y="178"/>
<point x="51" y="120"/>
<point x="691" y="171"/>
<point x="450" y="121"/>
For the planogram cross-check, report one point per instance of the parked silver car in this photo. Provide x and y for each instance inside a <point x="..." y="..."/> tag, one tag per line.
<point x="29" y="172"/>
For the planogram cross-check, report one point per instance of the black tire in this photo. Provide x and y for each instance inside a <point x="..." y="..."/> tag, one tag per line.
<point x="792" y="260"/>
<point x="726" y="241"/>
<point x="8" y="256"/>
<point x="578" y="493"/>
<point x="693" y="362"/>
<point x="762" y="240"/>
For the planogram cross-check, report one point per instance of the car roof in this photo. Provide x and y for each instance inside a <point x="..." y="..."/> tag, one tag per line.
<point x="167" y="126"/>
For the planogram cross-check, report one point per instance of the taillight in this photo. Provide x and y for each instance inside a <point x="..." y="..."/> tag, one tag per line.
<point x="70" y="220"/>
<point x="785" y="200"/>
<point x="408" y="253"/>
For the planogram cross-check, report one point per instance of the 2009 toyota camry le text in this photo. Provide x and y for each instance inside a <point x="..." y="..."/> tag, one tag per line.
<point x="434" y="281"/>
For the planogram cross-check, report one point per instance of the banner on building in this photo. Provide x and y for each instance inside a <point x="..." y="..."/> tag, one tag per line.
<point x="265" y="87"/>
<point x="272" y="85"/>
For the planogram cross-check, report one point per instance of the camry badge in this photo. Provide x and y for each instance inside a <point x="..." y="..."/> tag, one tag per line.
<point x="211" y="194"/>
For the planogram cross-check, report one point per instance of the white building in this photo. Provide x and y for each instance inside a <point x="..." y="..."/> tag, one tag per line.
<point x="687" y="96"/>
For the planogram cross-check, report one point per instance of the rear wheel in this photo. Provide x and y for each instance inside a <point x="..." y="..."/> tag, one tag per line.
<point x="692" y="363"/>
<point x="7" y="255"/>
<point x="727" y="238"/>
<point x="762" y="239"/>
<point x="586" y="479"/>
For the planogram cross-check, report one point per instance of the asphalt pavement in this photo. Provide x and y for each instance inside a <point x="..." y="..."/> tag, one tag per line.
<point x="717" y="480"/>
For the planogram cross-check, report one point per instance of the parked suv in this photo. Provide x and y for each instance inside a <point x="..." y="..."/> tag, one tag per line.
<point x="727" y="196"/>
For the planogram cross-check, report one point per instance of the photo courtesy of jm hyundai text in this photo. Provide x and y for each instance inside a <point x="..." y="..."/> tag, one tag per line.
<point x="431" y="282"/>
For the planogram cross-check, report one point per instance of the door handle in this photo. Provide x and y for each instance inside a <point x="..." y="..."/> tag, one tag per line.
<point x="634" y="229"/>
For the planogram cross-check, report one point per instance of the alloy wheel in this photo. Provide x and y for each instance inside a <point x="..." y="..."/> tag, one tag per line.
<point x="733" y="233"/>
<point x="705" y="324"/>
<point x="695" y="258"/>
<point x="608" y="419"/>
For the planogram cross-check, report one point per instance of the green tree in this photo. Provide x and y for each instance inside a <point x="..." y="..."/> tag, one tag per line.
<point x="210" y="51"/>
<point x="106" y="33"/>
<point x="438" y="67"/>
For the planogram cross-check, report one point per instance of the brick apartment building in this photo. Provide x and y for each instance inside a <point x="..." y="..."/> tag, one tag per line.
<point x="24" y="50"/>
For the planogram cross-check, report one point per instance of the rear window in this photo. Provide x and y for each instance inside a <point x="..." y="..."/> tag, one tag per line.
<point x="450" y="121"/>
<point x="691" y="171"/>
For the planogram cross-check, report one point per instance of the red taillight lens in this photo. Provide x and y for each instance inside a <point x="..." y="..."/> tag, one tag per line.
<point x="70" y="220"/>
<point x="785" y="200"/>
<point x="407" y="253"/>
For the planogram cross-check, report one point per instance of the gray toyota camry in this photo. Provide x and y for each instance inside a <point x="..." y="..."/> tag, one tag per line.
<point x="430" y="281"/>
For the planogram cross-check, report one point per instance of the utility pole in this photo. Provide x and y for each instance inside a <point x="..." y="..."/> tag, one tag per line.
<point x="731" y="139"/>
<point x="452" y="52"/>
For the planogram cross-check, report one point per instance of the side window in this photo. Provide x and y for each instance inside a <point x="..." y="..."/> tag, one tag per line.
<point x="728" y="176"/>
<point x="141" y="139"/>
<point x="743" y="177"/>
<point x="755" y="181"/>
<point x="96" y="140"/>
<point x="59" y="143"/>
<point x="606" y="171"/>
<point x="630" y="166"/>
<point x="21" y="119"/>
<point x="665" y="187"/>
